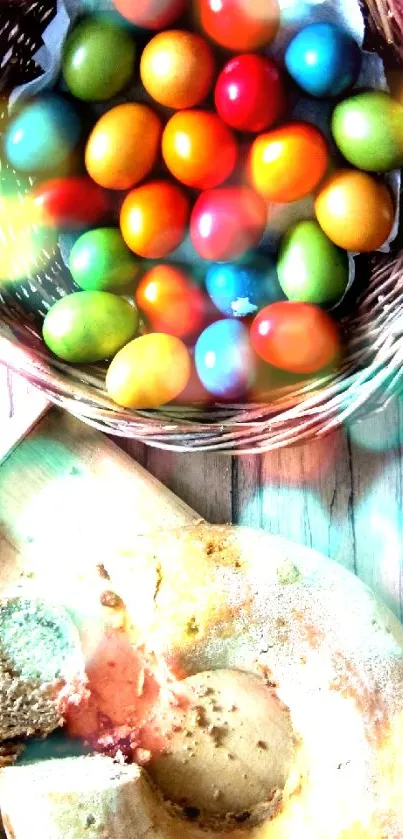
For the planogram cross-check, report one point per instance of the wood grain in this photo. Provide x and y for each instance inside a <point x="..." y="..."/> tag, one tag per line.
<point x="342" y="495"/>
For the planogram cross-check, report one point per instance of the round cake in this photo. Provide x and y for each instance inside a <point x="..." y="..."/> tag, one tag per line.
<point x="293" y="722"/>
<point x="239" y="601"/>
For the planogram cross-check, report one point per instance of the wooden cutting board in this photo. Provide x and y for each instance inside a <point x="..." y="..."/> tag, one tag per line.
<point x="67" y="486"/>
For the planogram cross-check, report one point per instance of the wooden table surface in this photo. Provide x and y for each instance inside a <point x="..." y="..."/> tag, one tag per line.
<point x="342" y="495"/>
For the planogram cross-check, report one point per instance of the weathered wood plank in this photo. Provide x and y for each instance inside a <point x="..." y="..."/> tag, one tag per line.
<point x="204" y="480"/>
<point x="303" y="493"/>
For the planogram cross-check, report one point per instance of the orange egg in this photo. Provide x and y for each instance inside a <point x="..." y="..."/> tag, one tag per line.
<point x="289" y="162"/>
<point x="149" y="371"/>
<point x="117" y="155"/>
<point x="153" y="218"/>
<point x="239" y="25"/>
<point x="355" y="210"/>
<point x="199" y="149"/>
<point x="177" y="69"/>
<point x="171" y="301"/>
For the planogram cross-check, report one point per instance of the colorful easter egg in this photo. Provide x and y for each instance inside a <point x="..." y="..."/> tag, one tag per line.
<point x="199" y="149"/>
<point x="239" y="25"/>
<point x="42" y="135"/>
<point x="89" y="326"/>
<point x="296" y="337"/>
<point x="71" y="203"/>
<point x="98" y="60"/>
<point x="177" y="69"/>
<point x="368" y="130"/>
<point x="123" y="146"/>
<point x="101" y="261"/>
<point x="150" y="14"/>
<point x="287" y="163"/>
<point x="323" y="59"/>
<point x="150" y="371"/>
<point x="224" y="359"/>
<point x="227" y="222"/>
<point x="153" y="219"/>
<point x="355" y="210"/>
<point x="171" y="302"/>
<point x="240" y="289"/>
<point x="249" y="94"/>
<point x="310" y="267"/>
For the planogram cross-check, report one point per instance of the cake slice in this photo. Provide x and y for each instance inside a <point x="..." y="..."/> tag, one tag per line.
<point x="40" y="656"/>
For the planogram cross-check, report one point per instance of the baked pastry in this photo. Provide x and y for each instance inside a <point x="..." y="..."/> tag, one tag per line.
<point x="40" y="655"/>
<point x="293" y="674"/>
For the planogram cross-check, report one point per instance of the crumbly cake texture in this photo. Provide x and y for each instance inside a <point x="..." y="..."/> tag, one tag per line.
<point x="233" y="599"/>
<point x="40" y="653"/>
<point x="222" y="597"/>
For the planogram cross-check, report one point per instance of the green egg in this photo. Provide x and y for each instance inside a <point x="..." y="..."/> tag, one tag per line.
<point x="98" y="60"/>
<point x="89" y="326"/>
<point x="311" y="269"/>
<point x="101" y="261"/>
<point x="368" y="130"/>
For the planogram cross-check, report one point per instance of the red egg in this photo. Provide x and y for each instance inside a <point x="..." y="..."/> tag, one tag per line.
<point x="150" y="14"/>
<point x="296" y="337"/>
<point x="171" y="301"/>
<point x="249" y="94"/>
<point x="227" y="222"/>
<point x="239" y="25"/>
<point x="71" y="203"/>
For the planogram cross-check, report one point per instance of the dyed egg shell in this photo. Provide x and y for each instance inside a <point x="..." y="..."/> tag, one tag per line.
<point x="42" y="135"/>
<point x="123" y="146"/>
<point x="89" y="326"/>
<point x="27" y="246"/>
<point x="323" y="59"/>
<point x="71" y="203"/>
<point x="239" y="25"/>
<point x="240" y="289"/>
<point x="249" y="94"/>
<point x="177" y="69"/>
<point x="296" y="337"/>
<point x="153" y="219"/>
<point x="368" y="130"/>
<point x="355" y="211"/>
<point x="224" y="359"/>
<point x="310" y="267"/>
<point x="171" y="302"/>
<point x="150" y="14"/>
<point x="98" y="60"/>
<point x="288" y="163"/>
<point x="149" y="372"/>
<point x="101" y="261"/>
<point x="227" y="222"/>
<point x="199" y="149"/>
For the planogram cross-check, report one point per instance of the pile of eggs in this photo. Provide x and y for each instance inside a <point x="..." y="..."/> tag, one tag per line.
<point x="201" y="157"/>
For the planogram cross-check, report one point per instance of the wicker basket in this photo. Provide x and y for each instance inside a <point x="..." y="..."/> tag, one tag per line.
<point x="372" y="370"/>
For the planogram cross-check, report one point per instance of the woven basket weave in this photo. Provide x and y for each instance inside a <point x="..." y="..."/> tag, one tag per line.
<point x="372" y="323"/>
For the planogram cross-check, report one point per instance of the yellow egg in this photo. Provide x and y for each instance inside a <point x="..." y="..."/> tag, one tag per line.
<point x="123" y="146"/>
<point x="149" y="371"/>
<point x="177" y="69"/>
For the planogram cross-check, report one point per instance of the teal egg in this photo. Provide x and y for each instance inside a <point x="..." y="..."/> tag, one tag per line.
<point x="101" y="261"/>
<point x="89" y="326"/>
<point x="368" y="130"/>
<point x="42" y="135"/>
<point x="98" y="60"/>
<point x="311" y="269"/>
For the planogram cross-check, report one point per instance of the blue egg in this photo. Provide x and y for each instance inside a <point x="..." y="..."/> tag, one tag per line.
<point x="323" y="59"/>
<point x="240" y="289"/>
<point x="224" y="359"/>
<point x="42" y="135"/>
